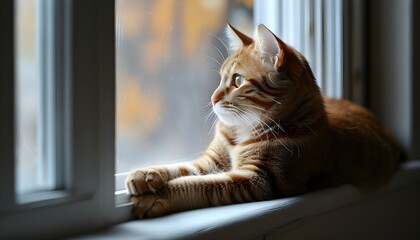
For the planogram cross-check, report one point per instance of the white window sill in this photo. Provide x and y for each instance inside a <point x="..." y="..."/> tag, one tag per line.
<point x="255" y="220"/>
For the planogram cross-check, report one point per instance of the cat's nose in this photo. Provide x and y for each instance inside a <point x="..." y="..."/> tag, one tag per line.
<point x="217" y="95"/>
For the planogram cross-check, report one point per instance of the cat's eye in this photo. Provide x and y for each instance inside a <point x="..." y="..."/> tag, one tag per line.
<point x="237" y="80"/>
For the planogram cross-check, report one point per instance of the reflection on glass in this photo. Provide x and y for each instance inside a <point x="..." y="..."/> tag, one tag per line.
<point x="168" y="57"/>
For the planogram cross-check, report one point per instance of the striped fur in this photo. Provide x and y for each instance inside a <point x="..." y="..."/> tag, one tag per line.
<point x="276" y="137"/>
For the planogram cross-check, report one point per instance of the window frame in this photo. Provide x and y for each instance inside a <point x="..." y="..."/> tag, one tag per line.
<point x="86" y="200"/>
<point x="55" y="97"/>
<point x="7" y="123"/>
<point x="52" y="112"/>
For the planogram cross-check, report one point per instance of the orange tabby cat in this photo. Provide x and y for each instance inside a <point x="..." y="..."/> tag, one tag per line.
<point x="276" y="137"/>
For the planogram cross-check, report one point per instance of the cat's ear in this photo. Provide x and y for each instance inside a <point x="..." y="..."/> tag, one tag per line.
<point x="268" y="46"/>
<point x="236" y="39"/>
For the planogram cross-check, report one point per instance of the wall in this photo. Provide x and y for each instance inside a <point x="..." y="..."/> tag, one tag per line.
<point x="393" y="69"/>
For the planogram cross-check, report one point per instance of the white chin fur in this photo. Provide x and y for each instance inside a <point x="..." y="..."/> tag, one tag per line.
<point x="228" y="118"/>
<point x="224" y="115"/>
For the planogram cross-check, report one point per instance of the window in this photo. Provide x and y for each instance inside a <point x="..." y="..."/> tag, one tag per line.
<point x="57" y="95"/>
<point x="40" y="97"/>
<point x="168" y="55"/>
<point x="27" y="97"/>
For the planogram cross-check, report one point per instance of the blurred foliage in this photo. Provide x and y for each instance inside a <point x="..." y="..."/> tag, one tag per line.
<point x="167" y="67"/>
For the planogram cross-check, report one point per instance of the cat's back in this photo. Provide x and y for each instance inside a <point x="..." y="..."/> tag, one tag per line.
<point x="353" y="121"/>
<point x="345" y="116"/>
<point x="360" y="142"/>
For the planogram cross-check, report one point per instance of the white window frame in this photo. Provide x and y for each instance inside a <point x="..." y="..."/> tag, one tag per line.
<point x="84" y="73"/>
<point x="53" y="62"/>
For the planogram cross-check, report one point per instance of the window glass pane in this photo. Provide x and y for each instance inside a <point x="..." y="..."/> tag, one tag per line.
<point x="40" y="95"/>
<point x="168" y="58"/>
<point x="27" y="87"/>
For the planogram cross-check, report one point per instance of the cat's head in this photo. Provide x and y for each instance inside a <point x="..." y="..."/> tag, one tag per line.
<point x="263" y="81"/>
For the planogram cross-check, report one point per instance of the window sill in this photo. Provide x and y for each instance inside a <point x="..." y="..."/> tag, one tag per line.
<point x="255" y="220"/>
<point x="32" y="201"/>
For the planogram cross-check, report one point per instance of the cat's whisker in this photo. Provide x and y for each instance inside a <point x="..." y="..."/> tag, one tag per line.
<point x="209" y="115"/>
<point x="248" y="121"/>
<point x="262" y="122"/>
<point x="262" y="109"/>
<point x="276" y="123"/>
<point x="272" y="120"/>
<point x="221" y="41"/>
<point x="216" y="67"/>
<point x="260" y="134"/>
<point x="253" y="106"/>
<point x="207" y="105"/>
<point x="308" y="127"/>
<point x="220" y="54"/>
<point x="241" y="114"/>
<point x="215" y="60"/>
<point x="258" y="121"/>
<point x="212" y="126"/>
<point x="223" y="58"/>
<point x="212" y="70"/>
<point x="274" y="100"/>
<point x="271" y="130"/>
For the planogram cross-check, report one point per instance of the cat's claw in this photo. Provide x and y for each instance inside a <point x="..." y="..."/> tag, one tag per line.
<point x="142" y="181"/>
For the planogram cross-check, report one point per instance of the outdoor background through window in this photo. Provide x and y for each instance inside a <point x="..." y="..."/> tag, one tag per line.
<point x="168" y="55"/>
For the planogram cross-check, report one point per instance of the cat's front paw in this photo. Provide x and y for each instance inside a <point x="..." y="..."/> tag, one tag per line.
<point x="149" y="206"/>
<point x="145" y="180"/>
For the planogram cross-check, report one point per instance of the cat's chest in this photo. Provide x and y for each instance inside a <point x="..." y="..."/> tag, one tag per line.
<point x="243" y="136"/>
<point x="244" y="153"/>
<point x="233" y="137"/>
<point x="236" y="155"/>
<point x="240" y="145"/>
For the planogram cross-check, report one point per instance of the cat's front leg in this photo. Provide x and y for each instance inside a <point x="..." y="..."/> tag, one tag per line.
<point x="192" y="192"/>
<point x="151" y="179"/>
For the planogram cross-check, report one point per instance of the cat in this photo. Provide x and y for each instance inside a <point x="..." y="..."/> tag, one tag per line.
<point x="276" y="136"/>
